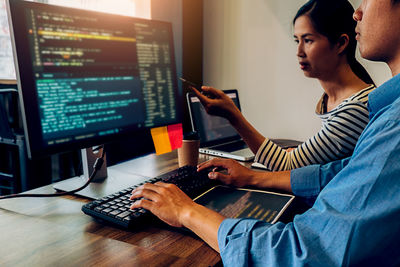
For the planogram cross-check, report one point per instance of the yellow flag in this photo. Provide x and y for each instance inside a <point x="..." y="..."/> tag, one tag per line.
<point x="161" y="140"/>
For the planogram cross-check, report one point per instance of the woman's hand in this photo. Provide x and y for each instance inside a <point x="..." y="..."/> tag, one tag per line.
<point x="236" y="174"/>
<point x="216" y="102"/>
<point x="166" y="201"/>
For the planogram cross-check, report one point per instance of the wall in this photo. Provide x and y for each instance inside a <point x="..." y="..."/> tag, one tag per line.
<point x="248" y="45"/>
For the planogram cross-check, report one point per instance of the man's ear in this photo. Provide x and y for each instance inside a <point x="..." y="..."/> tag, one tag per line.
<point x="342" y="43"/>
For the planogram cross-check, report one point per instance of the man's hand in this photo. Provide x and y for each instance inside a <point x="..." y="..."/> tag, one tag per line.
<point x="172" y="206"/>
<point x="236" y="174"/>
<point x="166" y="201"/>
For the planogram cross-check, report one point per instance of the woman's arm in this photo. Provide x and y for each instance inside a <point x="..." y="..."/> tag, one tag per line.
<point x="336" y="140"/>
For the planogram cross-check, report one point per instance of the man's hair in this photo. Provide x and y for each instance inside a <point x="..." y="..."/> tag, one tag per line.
<point x="395" y="2"/>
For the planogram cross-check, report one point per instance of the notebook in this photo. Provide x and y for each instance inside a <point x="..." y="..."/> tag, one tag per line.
<point x="217" y="136"/>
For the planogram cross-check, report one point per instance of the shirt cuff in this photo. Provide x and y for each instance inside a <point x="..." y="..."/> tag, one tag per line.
<point x="260" y="151"/>
<point x="305" y="181"/>
<point x="232" y="235"/>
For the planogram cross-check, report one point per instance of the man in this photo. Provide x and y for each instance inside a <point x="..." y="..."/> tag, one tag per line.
<point x="355" y="213"/>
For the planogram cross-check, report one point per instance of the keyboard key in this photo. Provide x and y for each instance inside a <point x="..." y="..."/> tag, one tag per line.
<point x="123" y="214"/>
<point x="105" y="211"/>
<point x="115" y="212"/>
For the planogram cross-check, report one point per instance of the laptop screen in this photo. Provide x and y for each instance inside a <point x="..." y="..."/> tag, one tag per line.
<point x="212" y="129"/>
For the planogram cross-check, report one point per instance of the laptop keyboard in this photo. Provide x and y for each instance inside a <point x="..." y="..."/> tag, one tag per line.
<point x="115" y="209"/>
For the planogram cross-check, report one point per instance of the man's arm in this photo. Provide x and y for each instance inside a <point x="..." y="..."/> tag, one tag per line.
<point x="355" y="219"/>
<point x="237" y="175"/>
<point x="305" y="182"/>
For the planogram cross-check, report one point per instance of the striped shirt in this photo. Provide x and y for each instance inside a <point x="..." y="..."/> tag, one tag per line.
<point x="337" y="138"/>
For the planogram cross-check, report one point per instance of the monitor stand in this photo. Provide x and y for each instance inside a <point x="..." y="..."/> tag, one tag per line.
<point x="106" y="182"/>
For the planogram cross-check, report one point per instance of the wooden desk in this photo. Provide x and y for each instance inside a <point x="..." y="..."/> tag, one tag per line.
<point x="55" y="232"/>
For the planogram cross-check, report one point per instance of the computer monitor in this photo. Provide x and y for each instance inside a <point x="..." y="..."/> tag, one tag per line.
<point x="86" y="78"/>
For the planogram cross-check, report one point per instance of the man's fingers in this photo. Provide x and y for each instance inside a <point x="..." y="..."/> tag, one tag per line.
<point x="164" y="185"/>
<point x="219" y="176"/>
<point x="222" y="163"/>
<point x="204" y="165"/>
<point x="211" y="163"/>
<point x="216" y="162"/>
<point x="142" y="203"/>
<point x="149" y="191"/>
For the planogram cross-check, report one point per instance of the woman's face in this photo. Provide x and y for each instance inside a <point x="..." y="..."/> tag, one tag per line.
<point x="317" y="57"/>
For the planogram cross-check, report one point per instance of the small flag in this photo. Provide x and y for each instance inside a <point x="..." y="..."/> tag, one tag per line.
<point x="167" y="138"/>
<point x="175" y="134"/>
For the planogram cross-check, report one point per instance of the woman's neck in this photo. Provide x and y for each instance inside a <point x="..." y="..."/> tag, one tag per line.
<point x="343" y="84"/>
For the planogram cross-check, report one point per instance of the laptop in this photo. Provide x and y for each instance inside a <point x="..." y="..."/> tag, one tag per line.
<point x="217" y="136"/>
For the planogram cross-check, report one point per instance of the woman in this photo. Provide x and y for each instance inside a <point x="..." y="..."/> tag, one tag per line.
<point x="325" y="35"/>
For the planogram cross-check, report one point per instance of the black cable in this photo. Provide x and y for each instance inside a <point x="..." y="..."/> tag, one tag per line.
<point x="96" y="166"/>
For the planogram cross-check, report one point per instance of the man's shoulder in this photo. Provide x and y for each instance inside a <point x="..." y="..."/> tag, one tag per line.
<point x="393" y="110"/>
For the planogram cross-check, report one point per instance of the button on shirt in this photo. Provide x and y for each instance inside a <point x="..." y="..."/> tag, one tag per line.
<point x="355" y="214"/>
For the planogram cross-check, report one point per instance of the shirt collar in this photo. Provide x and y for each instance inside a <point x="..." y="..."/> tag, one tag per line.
<point x="384" y="95"/>
<point x="321" y="108"/>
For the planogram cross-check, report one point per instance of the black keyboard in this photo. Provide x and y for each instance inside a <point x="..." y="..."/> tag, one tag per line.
<point x="115" y="208"/>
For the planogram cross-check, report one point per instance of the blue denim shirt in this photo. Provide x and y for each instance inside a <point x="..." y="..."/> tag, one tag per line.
<point x="355" y="214"/>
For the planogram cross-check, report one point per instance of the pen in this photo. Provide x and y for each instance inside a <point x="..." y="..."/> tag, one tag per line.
<point x="196" y="86"/>
<point x="192" y="84"/>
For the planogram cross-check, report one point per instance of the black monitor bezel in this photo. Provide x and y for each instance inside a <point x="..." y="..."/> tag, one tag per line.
<point x="25" y="82"/>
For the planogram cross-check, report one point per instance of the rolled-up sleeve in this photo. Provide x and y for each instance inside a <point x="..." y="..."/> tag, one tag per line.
<point x="248" y="242"/>
<point x="235" y="232"/>
<point x="307" y="182"/>
<point x="237" y="243"/>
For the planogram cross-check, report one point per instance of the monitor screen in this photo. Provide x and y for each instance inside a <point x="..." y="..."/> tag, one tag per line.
<point x="212" y="129"/>
<point x="87" y="77"/>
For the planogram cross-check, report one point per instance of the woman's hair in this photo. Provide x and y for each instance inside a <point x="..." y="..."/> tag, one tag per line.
<point x="332" y="18"/>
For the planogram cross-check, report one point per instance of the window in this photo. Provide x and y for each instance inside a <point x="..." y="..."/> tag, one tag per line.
<point x="135" y="8"/>
<point x="6" y="60"/>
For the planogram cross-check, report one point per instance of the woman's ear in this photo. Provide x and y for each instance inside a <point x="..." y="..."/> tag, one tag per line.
<point x="342" y="43"/>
